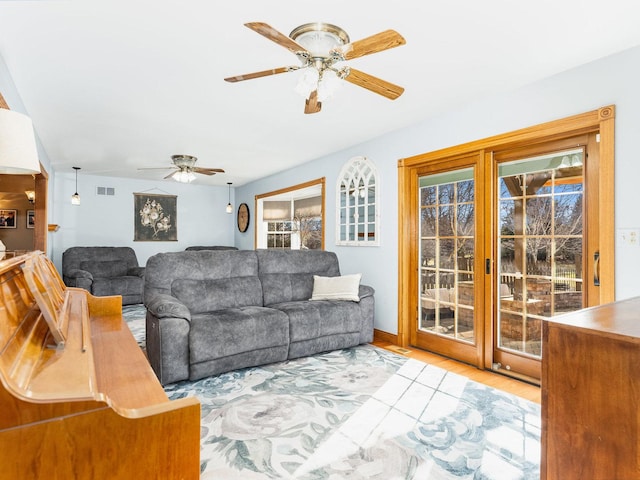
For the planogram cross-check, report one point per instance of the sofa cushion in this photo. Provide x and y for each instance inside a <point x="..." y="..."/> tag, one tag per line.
<point x="164" y="268"/>
<point x="105" y="268"/>
<point x="344" y="287"/>
<point x="217" y="294"/>
<point x="309" y="320"/>
<point x="236" y="330"/>
<point x="117" y="286"/>
<point x="287" y="275"/>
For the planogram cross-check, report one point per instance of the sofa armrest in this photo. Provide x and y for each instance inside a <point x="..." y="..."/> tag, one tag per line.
<point x="365" y="291"/>
<point x="166" y="306"/>
<point x="78" y="278"/>
<point x="77" y="273"/>
<point x="136" y="272"/>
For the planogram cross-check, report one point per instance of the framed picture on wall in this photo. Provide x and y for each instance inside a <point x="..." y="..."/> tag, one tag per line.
<point x="31" y="218"/>
<point x="8" y="218"/>
<point x="155" y="218"/>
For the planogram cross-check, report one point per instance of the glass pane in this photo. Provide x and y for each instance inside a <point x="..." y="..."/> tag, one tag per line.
<point x="504" y="189"/>
<point x="446" y="257"/>
<point x="539" y="296"/>
<point x="465" y="255"/>
<point x="507" y="217"/>
<point x="465" y="220"/>
<point x="466" y="191"/>
<point x="445" y="193"/>
<point x="445" y="221"/>
<point x="428" y="222"/>
<point x="538" y="256"/>
<point x="428" y="253"/>
<point x="538" y="216"/>
<point x="568" y="214"/>
<point x="428" y="196"/>
<point x="465" y="289"/>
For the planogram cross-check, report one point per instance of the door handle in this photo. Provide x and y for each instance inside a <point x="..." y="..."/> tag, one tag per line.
<point x="596" y="269"/>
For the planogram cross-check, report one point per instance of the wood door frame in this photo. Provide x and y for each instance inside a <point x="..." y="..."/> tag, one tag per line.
<point x="601" y="120"/>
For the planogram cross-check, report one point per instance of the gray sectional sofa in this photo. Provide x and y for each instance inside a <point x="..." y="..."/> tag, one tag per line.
<point x="210" y="312"/>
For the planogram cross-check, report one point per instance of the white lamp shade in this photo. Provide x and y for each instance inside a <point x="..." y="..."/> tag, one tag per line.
<point x="18" y="152"/>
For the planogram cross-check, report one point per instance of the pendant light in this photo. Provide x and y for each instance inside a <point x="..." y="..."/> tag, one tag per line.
<point x="229" y="207"/>
<point x="75" y="198"/>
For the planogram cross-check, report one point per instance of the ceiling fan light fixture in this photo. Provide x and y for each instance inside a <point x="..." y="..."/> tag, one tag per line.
<point x="320" y="46"/>
<point x="328" y="85"/>
<point x="319" y="38"/>
<point x="184" y="176"/>
<point x="307" y="82"/>
<point x="184" y="160"/>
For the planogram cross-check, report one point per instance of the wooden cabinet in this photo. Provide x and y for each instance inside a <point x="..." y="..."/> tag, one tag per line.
<point x="590" y="394"/>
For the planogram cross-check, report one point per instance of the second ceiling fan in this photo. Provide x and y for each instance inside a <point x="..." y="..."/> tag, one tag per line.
<point x="319" y="47"/>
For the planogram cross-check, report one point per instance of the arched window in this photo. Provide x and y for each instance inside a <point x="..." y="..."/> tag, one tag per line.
<point x="357" y="204"/>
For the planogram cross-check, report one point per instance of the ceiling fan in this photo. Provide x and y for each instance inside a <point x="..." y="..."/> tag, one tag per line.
<point x="319" y="47"/>
<point x="185" y="169"/>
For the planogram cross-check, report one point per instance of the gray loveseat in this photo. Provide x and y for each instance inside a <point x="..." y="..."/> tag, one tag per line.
<point x="104" y="271"/>
<point x="210" y="312"/>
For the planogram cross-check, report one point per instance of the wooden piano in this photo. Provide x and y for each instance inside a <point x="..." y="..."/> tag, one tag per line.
<point x="78" y="399"/>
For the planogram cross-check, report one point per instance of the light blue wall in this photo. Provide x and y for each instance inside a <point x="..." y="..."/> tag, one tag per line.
<point x="613" y="80"/>
<point x="109" y="220"/>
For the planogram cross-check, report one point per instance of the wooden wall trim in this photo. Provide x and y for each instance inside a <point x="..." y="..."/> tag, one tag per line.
<point x="581" y="123"/>
<point x="381" y="336"/>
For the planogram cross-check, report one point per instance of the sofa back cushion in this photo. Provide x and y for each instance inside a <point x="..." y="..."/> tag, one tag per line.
<point x="201" y="296"/>
<point x="75" y="257"/>
<point x="287" y="275"/>
<point x="105" y="268"/>
<point x="164" y="269"/>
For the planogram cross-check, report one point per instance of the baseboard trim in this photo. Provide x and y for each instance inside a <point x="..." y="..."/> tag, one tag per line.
<point x="381" y="336"/>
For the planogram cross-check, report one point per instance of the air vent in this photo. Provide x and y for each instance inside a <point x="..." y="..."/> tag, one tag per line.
<point x="110" y="191"/>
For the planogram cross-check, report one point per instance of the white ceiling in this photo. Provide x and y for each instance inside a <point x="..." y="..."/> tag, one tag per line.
<point x="116" y="85"/>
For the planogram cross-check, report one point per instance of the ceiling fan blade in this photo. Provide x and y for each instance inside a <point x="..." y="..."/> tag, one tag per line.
<point x="156" y="168"/>
<point x="311" y="104"/>
<point x="375" y="84"/>
<point x="264" y="73"/>
<point x="168" y="176"/>
<point x="207" y="171"/>
<point x="375" y="43"/>
<point x="275" y="36"/>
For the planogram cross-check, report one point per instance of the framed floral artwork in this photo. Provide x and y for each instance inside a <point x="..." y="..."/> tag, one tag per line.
<point x="155" y="218"/>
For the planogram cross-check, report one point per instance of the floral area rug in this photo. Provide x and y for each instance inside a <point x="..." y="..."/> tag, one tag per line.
<point x="361" y="413"/>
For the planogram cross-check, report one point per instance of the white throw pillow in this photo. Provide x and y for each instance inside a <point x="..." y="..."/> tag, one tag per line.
<point x="345" y="287"/>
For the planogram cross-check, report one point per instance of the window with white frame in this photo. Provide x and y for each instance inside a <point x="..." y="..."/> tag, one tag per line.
<point x="357" y="204"/>
<point x="291" y="218"/>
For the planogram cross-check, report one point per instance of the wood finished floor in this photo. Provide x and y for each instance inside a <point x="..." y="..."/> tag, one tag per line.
<point x="492" y="379"/>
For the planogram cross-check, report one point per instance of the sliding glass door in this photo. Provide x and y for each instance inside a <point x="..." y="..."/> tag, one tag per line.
<point x="500" y="235"/>
<point x="540" y="252"/>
